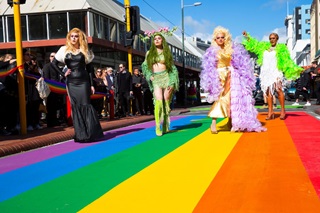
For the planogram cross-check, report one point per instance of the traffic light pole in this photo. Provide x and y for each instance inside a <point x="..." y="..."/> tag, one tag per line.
<point x="128" y="28"/>
<point x="20" y="74"/>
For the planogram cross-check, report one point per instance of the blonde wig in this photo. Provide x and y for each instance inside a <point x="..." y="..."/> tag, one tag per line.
<point x="227" y="39"/>
<point x="83" y="44"/>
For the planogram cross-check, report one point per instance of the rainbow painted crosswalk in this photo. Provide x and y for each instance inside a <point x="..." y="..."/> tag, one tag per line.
<point x="186" y="170"/>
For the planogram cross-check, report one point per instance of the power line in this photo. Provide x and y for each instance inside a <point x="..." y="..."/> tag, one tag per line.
<point x="163" y="16"/>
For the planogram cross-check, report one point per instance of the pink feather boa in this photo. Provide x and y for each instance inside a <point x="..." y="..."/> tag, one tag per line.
<point x="243" y="112"/>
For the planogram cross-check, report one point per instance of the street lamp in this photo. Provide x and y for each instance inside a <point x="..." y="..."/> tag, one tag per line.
<point x="183" y="58"/>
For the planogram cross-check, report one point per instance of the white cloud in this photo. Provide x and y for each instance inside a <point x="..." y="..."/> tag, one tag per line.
<point x="203" y="29"/>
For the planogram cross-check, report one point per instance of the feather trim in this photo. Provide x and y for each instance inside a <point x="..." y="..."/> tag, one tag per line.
<point x="243" y="112"/>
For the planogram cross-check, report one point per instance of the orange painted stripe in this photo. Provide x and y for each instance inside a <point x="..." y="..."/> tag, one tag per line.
<point x="263" y="173"/>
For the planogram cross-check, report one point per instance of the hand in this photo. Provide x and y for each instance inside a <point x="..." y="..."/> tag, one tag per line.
<point x="151" y="78"/>
<point x="12" y="60"/>
<point x="68" y="72"/>
<point x="244" y="33"/>
<point x="92" y="90"/>
<point x="303" y="88"/>
<point x="131" y="93"/>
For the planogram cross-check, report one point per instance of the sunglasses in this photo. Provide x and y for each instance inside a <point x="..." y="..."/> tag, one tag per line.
<point x="51" y="55"/>
<point x="222" y="37"/>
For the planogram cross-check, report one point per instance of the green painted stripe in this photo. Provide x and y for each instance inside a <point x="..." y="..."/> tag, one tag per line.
<point x="77" y="189"/>
<point x="257" y="107"/>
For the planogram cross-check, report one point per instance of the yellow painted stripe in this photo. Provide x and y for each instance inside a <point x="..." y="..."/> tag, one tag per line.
<point x="176" y="182"/>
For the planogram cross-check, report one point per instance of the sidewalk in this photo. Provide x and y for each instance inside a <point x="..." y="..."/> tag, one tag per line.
<point x="13" y="144"/>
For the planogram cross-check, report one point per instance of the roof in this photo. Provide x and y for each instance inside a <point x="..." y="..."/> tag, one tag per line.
<point x="112" y="8"/>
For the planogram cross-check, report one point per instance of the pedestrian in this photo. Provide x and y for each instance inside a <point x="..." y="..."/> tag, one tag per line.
<point x="315" y="73"/>
<point x="227" y="75"/>
<point x="302" y="88"/>
<point x="276" y="64"/>
<point x="162" y="77"/>
<point x="137" y="106"/>
<point x="54" y="100"/>
<point x="124" y="91"/>
<point x="79" y="81"/>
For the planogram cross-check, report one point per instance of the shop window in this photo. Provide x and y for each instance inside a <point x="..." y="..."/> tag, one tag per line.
<point x="78" y="19"/>
<point x="11" y="34"/>
<point x="37" y="27"/>
<point x="58" y="25"/>
<point x="113" y="30"/>
<point x="1" y="31"/>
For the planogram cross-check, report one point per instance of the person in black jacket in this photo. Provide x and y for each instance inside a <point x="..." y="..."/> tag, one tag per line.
<point x="124" y="91"/>
<point x="137" y="92"/>
<point x="303" y="87"/>
<point x="54" y="100"/>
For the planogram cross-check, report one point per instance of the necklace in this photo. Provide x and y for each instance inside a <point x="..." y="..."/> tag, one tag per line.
<point x="271" y="49"/>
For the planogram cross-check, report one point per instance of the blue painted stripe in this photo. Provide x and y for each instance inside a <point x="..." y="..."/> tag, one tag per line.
<point x="18" y="181"/>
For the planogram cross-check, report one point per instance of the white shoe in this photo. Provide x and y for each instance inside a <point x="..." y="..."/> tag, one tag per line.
<point x="295" y="104"/>
<point x="308" y="104"/>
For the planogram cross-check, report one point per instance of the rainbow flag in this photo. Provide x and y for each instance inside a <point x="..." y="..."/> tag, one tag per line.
<point x="4" y="73"/>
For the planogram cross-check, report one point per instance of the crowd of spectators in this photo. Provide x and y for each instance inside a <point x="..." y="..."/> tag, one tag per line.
<point x="131" y="94"/>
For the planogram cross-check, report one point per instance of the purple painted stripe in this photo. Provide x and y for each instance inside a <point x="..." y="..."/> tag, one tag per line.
<point x="23" y="159"/>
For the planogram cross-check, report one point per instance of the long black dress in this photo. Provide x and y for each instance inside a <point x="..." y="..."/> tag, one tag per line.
<point x="85" y="119"/>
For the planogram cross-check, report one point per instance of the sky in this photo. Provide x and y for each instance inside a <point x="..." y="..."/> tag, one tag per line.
<point x="258" y="17"/>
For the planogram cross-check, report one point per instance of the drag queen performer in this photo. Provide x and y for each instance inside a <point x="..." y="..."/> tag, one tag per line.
<point x="162" y="77"/>
<point x="76" y="55"/>
<point x="227" y="75"/>
<point x="275" y="61"/>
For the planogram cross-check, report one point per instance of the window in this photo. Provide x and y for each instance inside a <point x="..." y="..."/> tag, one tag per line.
<point x="11" y="34"/>
<point x="122" y="31"/>
<point x="78" y="19"/>
<point x="1" y="30"/>
<point x="106" y="28"/>
<point x="37" y="27"/>
<point x="97" y="26"/>
<point x="113" y="31"/>
<point x="58" y="25"/>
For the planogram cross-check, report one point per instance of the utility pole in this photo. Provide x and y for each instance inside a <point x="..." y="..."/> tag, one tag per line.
<point x="20" y="74"/>
<point x="128" y="28"/>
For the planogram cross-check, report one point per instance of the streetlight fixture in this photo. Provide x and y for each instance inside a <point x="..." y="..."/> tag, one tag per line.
<point x="183" y="58"/>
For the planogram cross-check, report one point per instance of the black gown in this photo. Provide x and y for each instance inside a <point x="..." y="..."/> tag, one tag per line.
<point x="85" y="119"/>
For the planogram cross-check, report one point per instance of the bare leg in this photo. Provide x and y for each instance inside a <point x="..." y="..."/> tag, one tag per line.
<point x="270" y="105"/>
<point x="213" y="126"/>
<point x="281" y="100"/>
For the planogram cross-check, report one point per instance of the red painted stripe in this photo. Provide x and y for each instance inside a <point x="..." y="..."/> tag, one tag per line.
<point x="304" y="130"/>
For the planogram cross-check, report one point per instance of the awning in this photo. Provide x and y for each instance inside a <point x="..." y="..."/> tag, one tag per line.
<point x="317" y="55"/>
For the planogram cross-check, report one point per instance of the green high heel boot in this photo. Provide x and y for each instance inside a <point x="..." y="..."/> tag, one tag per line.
<point x="166" y="118"/>
<point x="158" y="108"/>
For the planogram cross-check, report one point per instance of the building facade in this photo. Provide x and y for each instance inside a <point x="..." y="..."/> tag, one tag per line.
<point x="315" y="30"/>
<point x="45" y="23"/>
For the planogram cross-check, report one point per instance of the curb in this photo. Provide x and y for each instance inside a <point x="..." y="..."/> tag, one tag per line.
<point x="51" y="136"/>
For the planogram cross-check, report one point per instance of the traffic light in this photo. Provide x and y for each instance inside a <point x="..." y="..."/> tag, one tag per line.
<point x="129" y="38"/>
<point x="135" y="20"/>
<point x="10" y="2"/>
